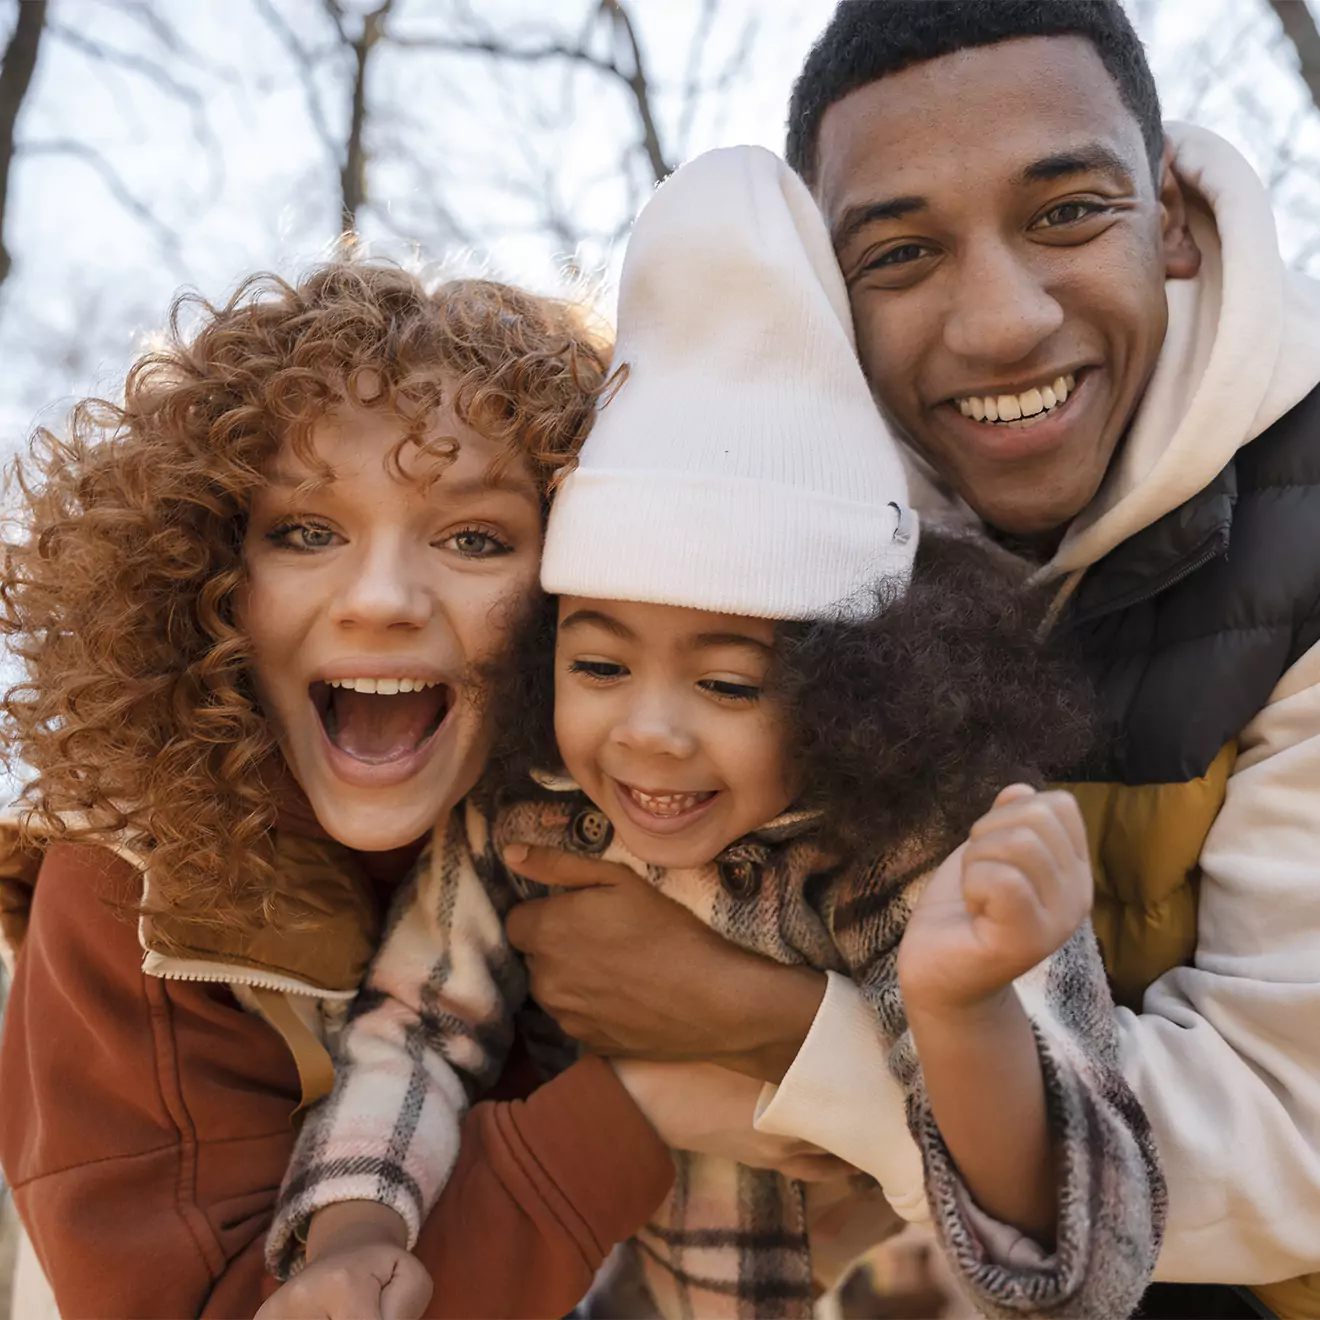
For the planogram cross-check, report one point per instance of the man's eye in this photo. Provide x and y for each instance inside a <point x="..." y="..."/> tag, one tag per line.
<point x="601" y="671"/>
<point x="473" y="543"/>
<point x="302" y="536"/>
<point x="897" y="256"/>
<point x="720" y="687"/>
<point x="1068" y="213"/>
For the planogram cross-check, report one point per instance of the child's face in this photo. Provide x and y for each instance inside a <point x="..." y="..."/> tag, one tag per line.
<point x="661" y="718"/>
<point x="369" y="601"/>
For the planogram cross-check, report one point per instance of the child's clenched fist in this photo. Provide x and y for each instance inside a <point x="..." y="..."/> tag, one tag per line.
<point x="1001" y="903"/>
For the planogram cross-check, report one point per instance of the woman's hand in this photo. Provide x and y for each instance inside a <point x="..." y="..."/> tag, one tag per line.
<point x="703" y="1107"/>
<point x="358" y="1268"/>
<point x="1004" y="901"/>
<point x="630" y="973"/>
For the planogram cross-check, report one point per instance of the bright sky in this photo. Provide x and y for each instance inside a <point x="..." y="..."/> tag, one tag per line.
<point x="91" y="280"/>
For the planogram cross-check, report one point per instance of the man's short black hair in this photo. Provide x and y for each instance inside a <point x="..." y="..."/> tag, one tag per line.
<point x="869" y="39"/>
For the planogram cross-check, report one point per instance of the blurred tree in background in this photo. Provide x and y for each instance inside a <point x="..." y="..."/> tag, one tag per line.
<point x="146" y="144"/>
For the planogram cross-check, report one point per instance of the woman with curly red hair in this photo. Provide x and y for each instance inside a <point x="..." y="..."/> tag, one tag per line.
<point x="255" y="603"/>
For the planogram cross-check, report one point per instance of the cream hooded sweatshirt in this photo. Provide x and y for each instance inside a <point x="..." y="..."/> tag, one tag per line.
<point x="1225" y="1055"/>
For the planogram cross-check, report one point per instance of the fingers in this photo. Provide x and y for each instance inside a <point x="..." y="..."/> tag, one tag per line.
<point x="562" y="870"/>
<point x="328" y="1295"/>
<point x="1054" y="817"/>
<point x="406" y="1294"/>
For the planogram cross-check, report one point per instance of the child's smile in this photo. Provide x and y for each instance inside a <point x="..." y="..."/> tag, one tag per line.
<point x="663" y="812"/>
<point x="662" y="718"/>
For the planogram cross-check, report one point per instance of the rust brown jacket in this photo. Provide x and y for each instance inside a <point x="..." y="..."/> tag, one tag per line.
<point x="145" y="1125"/>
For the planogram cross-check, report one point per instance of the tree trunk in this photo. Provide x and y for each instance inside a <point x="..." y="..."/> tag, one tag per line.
<point x="20" y="61"/>
<point x="1299" y="26"/>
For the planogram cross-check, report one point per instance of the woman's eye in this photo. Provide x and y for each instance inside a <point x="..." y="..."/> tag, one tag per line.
<point x="1068" y="213"/>
<point x="720" y="687"/>
<point x="473" y="543"/>
<point x="303" y="536"/>
<point x="601" y="671"/>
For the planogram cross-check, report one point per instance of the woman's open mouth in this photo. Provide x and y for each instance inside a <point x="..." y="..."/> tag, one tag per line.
<point x="381" y="721"/>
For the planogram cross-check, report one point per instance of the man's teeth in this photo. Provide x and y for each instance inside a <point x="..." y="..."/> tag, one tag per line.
<point x="667" y="804"/>
<point x="1014" y="407"/>
<point x="385" y="687"/>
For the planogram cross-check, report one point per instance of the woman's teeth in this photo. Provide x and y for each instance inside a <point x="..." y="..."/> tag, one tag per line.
<point x="385" y="687"/>
<point x="1015" y="407"/>
<point x="667" y="805"/>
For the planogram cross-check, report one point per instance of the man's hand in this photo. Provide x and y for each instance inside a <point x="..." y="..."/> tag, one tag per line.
<point x="1004" y="901"/>
<point x="629" y="972"/>
<point x="359" y="1268"/>
<point x="706" y="1108"/>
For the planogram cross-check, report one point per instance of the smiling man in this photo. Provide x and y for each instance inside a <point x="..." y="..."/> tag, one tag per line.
<point x="1086" y="334"/>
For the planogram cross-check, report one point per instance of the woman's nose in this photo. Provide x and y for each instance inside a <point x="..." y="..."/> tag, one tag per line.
<point x="383" y="589"/>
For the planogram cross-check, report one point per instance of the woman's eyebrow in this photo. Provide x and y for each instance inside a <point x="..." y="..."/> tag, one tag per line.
<point x="581" y="618"/>
<point x="513" y="482"/>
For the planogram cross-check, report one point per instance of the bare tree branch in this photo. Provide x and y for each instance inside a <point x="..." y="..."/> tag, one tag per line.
<point x="305" y="62"/>
<point x="166" y="238"/>
<point x="165" y="82"/>
<point x="1300" y="27"/>
<point x="353" y="173"/>
<point x="640" y="86"/>
<point x="16" y="70"/>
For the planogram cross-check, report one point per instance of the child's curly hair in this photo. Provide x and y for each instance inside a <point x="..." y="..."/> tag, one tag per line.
<point x="137" y="717"/>
<point x="901" y="728"/>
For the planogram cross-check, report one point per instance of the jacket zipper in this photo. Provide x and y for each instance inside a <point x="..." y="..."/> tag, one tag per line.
<point x="1171" y="579"/>
<point x="254" y="982"/>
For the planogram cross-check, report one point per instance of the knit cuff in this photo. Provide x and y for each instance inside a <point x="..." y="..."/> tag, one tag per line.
<point x="360" y="1168"/>
<point x="1006" y="1273"/>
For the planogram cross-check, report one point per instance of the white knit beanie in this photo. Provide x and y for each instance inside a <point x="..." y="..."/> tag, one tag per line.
<point x="742" y="466"/>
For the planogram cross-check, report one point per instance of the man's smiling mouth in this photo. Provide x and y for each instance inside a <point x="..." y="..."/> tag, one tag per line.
<point x="1025" y="408"/>
<point x="379" y="720"/>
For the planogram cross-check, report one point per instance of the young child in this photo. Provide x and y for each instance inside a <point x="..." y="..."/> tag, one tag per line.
<point x="770" y="705"/>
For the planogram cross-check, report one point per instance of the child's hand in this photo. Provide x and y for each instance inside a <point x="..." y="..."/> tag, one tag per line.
<point x="358" y="1268"/>
<point x="1001" y="903"/>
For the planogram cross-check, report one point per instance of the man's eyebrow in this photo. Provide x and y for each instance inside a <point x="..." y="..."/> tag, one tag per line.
<point x="703" y="641"/>
<point x="1091" y="158"/>
<point x="856" y="218"/>
<point x="608" y="622"/>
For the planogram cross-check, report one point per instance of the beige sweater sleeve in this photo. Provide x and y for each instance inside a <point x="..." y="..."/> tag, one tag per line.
<point x="1225" y="1056"/>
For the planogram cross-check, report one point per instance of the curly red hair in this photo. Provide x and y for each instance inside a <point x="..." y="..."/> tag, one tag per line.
<point x="137" y="716"/>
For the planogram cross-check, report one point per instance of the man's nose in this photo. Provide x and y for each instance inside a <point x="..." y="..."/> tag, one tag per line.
<point x="1001" y="311"/>
<point x="384" y="588"/>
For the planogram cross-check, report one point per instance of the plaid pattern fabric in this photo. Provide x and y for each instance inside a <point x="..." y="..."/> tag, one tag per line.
<point x="434" y="1021"/>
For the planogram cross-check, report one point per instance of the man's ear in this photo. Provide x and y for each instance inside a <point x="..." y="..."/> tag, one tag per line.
<point x="1182" y="258"/>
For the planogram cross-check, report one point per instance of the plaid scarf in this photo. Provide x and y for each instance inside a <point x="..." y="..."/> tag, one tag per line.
<point x="436" y="1015"/>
